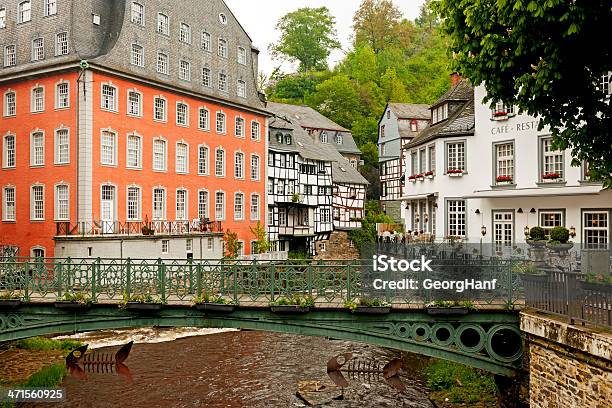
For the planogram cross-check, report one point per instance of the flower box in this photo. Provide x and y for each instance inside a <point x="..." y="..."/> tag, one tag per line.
<point x="503" y="179"/>
<point x="551" y="176"/>
<point x="289" y="309"/>
<point x="420" y="177"/>
<point x="447" y="311"/>
<point x="65" y="304"/>
<point x="215" y="307"/>
<point x="454" y="172"/>
<point x="373" y="310"/>
<point x="429" y="174"/>
<point x="143" y="307"/>
<point x="412" y="179"/>
<point x="10" y="303"/>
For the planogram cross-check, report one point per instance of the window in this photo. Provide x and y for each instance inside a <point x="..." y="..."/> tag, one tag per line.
<point x="10" y="57"/>
<point x="38" y="49"/>
<point x="159" y="204"/>
<point x="202" y="160"/>
<point x="181" y="157"/>
<point x="241" y="88"/>
<point x="239" y="206"/>
<point x="382" y="131"/>
<point x="165" y="246"/>
<point x="282" y="217"/>
<point x="239" y="129"/>
<point x="223" y="82"/>
<point x="38" y="253"/>
<point x="255" y="132"/>
<point x="184" y="70"/>
<point x="159" y="155"/>
<point x="133" y="203"/>
<point x="414" y="126"/>
<point x="504" y="159"/>
<point x="422" y="161"/>
<point x="431" y="152"/>
<point x="9" y="207"/>
<point x="552" y="162"/>
<point x="137" y="55"/>
<point x="8" y="151"/>
<point x="502" y="110"/>
<point x="162" y="63"/>
<point x="456" y="218"/>
<point x="181" y="204"/>
<point x="109" y="97"/>
<point x="206" y="43"/>
<point x="325" y="215"/>
<point x="219" y="205"/>
<point x="95" y="19"/>
<point x="189" y="245"/>
<point x="61" y="44"/>
<point x="62" y="95"/>
<point x="134" y="103"/>
<point x="37" y="149"/>
<point x="2" y="18"/>
<point x="254" y="207"/>
<point x="206" y="77"/>
<point x="182" y="114"/>
<point x="455" y="154"/>
<point x="185" y="33"/>
<point x="414" y="164"/>
<point x="204" y="119"/>
<point x="440" y="113"/>
<point x="10" y="104"/>
<point x="210" y="244"/>
<point x="222" y="18"/>
<point x="134" y="152"/>
<point x="37" y="200"/>
<point x="138" y="13"/>
<point x="220" y="163"/>
<point x="254" y="167"/>
<point x="50" y="7"/>
<point x="323" y="137"/>
<point x="222" y="48"/>
<point x="37" y="102"/>
<point x="62" y="146"/>
<point x="160" y="112"/>
<point x="62" y="202"/>
<point x="108" y="147"/>
<point x="239" y="165"/>
<point x="596" y="229"/>
<point x="202" y="204"/>
<point x="221" y="122"/>
<point x="242" y="56"/>
<point x="24" y="11"/>
<point x="339" y="139"/>
<point x="605" y="85"/>
<point x="550" y="219"/>
<point x="163" y="24"/>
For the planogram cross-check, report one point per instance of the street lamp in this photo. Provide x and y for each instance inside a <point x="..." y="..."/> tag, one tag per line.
<point x="572" y="231"/>
<point x="526" y="230"/>
<point x="483" y="230"/>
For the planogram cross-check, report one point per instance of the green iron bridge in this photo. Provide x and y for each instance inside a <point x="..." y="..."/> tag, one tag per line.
<point x="53" y="296"/>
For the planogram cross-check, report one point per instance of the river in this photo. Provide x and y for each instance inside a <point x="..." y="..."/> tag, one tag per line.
<point x="232" y="369"/>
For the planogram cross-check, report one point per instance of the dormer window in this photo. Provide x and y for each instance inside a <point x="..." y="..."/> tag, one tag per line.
<point x="389" y="114"/>
<point x="439" y="113"/>
<point x="414" y="127"/>
<point x="288" y="139"/>
<point x="279" y="138"/>
<point x="323" y="137"/>
<point x="339" y="139"/>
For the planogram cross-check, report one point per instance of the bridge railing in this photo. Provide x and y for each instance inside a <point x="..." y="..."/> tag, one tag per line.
<point x="330" y="282"/>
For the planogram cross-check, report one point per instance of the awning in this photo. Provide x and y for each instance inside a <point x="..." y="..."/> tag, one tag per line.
<point x="537" y="192"/>
<point x="419" y="196"/>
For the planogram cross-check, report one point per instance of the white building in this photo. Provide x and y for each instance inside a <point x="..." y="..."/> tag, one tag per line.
<point x="492" y="171"/>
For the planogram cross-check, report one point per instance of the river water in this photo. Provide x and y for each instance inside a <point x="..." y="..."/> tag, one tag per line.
<point x="233" y="369"/>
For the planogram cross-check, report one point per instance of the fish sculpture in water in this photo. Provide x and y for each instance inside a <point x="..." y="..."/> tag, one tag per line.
<point x="79" y="363"/>
<point x="364" y="369"/>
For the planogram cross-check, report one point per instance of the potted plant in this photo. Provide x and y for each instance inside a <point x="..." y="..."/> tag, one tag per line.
<point x="369" y="306"/>
<point x="412" y="179"/>
<point x="10" y="299"/>
<point x="559" y="240"/>
<point x="503" y="179"/>
<point x="455" y="172"/>
<point x="420" y="176"/>
<point x="537" y="237"/>
<point x="146" y="230"/>
<point x="141" y="302"/>
<point x="429" y="174"/>
<point x="73" y="300"/>
<point x="449" y="307"/>
<point x="500" y="114"/>
<point x="292" y="304"/>
<point x="551" y="176"/>
<point x="296" y="198"/>
<point x="215" y="303"/>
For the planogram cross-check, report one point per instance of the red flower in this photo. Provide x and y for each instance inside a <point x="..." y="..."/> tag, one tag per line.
<point x="551" y="176"/>
<point x="420" y="175"/>
<point x="500" y="179"/>
<point x="429" y="173"/>
<point x="454" y="171"/>
<point x="500" y="113"/>
<point x="411" y="177"/>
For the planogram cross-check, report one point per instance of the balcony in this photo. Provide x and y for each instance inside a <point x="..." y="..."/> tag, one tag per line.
<point x="137" y="228"/>
<point x="297" y="231"/>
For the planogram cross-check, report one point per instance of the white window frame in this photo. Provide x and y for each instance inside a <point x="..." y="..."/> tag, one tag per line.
<point x="239" y="206"/>
<point x="163" y="24"/>
<point x="239" y="127"/>
<point x="184" y="216"/>
<point x="184" y="70"/>
<point x="241" y="56"/>
<point x="5" y="204"/>
<point x="58" y="151"/>
<point x="2" y="18"/>
<point x="10" y="108"/>
<point x="203" y="160"/>
<point x="203" y="118"/>
<point x="556" y="160"/>
<point x="50" y="8"/>
<point x="24" y="14"/>
<point x="10" y="55"/>
<point x="221" y="122"/>
<point x="223" y="82"/>
<point x="61" y="44"/>
<point x="137" y="55"/>
<point x="255" y="207"/>
<point x="113" y="161"/>
<point x="62" y="101"/>
<point x="255" y="130"/>
<point x="456" y="211"/>
<point x="164" y="111"/>
<point x="223" y="48"/>
<point x="134" y="109"/>
<point x="456" y="155"/>
<point x="220" y="164"/>
<point x="37" y="99"/>
<point x="138" y="153"/>
<point x="181" y="170"/>
<point x="220" y="205"/>
<point x="504" y="159"/>
<point x="9" y="161"/>
<point x="203" y="205"/>
<point x="137" y="13"/>
<point x="586" y="227"/>
<point x="38" y="49"/>
<point x="206" y="77"/>
<point x="164" y="142"/>
<point x="34" y="215"/>
<point x="255" y="167"/>
<point x="185" y="33"/>
<point x="206" y="41"/>
<point x="162" y="63"/>
<point x="162" y="215"/>
<point x="239" y="166"/>
<point x="241" y="88"/>
<point x="61" y="204"/>
<point x="128" y="201"/>
<point x="37" y="158"/>
<point x="165" y="246"/>
<point x="108" y="101"/>
<point x="182" y="114"/>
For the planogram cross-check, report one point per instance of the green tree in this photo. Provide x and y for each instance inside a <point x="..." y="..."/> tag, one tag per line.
<point x="337" y="99"/>
<point x="307" y="36"/>
<point x="394" y="89"/>
<point x="367" y="233"/>
<point x="262" y="243"/>
<point x="232" y="245"/>
<point x="377" y="23"/>
<point x="539" y="56"/>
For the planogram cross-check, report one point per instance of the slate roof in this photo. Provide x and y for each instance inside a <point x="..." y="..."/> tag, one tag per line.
<point x="459" y="123"/>
<point x="410" y="110"/>
<point x="342" y="171"/>
<point x="309" y="118"/>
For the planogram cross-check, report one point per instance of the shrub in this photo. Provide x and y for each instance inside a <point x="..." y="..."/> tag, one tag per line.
<point x="460" y="383"/>
<point x="537" y="233"/>
<point x="42" y="343"/>
<point x="47" y="377"/>
<point x="560" y="234"/>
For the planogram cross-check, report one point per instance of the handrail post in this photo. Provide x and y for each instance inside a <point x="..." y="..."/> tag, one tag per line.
<point x="348" y="284"/>
<point x="272" y="281"/>
<point x="190" y="262"/>
<point x="27" y="278"/>
<point x="128" y="278"/>
<point x="198" y="279"/>
<point x="95" y="270"/>
<point x="162" y="278"/>
<point x="59" y="278"/>
<point x="309" y="273"/>
<point x="235" y="275"/>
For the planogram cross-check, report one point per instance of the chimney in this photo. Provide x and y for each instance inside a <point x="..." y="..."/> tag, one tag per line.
<point x="455" y="77"/>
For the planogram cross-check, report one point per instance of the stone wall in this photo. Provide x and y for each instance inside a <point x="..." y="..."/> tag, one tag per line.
<point x="338" y="246"/>
<point x="569" y="366"/>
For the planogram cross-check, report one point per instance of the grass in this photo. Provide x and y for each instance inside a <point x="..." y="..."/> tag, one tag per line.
<point x="460" y="384"/>
<point x="42" y="343"/>
<point x="47" y="377"/>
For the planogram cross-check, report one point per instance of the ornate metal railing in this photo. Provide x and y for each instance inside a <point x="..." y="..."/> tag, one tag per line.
<point x="95" y="228"/>
<point x="569" y="294"/>
<point x="330" y="283"/>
